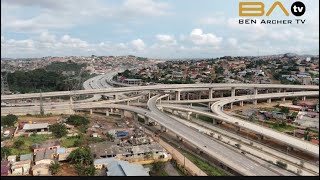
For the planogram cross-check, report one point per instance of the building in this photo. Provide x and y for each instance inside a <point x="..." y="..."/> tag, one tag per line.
<point x="41" y="128"/>
<point x="130" y="153"/>
<point x="12" y="158"/>
<point x="63" y="153"/>
<point x="5" y="168"/>
<point x="47" y="145"/>
<point x="291" y="107"/>
<point x="44" y="157"/>
<point x="40" y="170"/>
<point x="21" y="168"/>
<point x="26" y="157"/>
<point x="308" y="104"/>
<point x="116" y="167"/>
<point x="132" y="81"/>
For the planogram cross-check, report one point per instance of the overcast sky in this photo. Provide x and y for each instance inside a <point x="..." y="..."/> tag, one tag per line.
<point x="149" y="28"/>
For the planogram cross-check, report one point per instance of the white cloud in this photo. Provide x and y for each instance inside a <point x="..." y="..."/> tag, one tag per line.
<point x="166" y="39"/>
<point x="199" y="38"/>
<point x="138" y="44"/>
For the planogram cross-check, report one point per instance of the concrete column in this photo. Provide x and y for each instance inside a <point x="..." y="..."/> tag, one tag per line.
<point x="241" y="103"/>
<point x="278" y="90"/>
<point x="135" y="116"/>
<point x="163" y="129"/>
<point x="111" y="110"/>
<point x="121" y="113"/>
<point x="269" y="100"/>
<point x="178" y="95"/>
<point x="283" y="99"/>
<point x="304" y="98"/>
<point x="214" y="122"/>
<point x="255" y="92"/>
<point x="107" y="113"/>
<point x="189" y="115"/>
<point x="169" y="97"/>
<point x="197" y="116"/>
<point x="91" y="112"/>
<point x="149" y="95"/>
<point x="221" y="94"/>
<point x="71" y="106"/>
<point x="128" y="103"/>
<point x="210" y="93"/>
<point x="146" y="120"/>
<point x="116" y="97"/>
<point x="231" y="105"/>
<point x="233" y="91"/>
<point x="138" y="100"/>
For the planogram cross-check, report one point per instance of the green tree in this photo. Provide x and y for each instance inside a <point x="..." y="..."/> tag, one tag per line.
<point x="81" y="155"/>
<point x="54" y="167"/>
<point x="156" y="167"/>
<point x="77" y="120"/>
<point x="17" y="144"/>
<point x="9" y="120"/>
<point x="5" y="152"/>
<point x="295" y="101"/>
<point x="58" y="130"/>
<point x="285" y="110"/>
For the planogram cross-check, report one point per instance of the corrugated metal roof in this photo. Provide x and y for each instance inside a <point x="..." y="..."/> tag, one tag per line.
<point x="35" y="126"/>
<point x="26" y="157"/>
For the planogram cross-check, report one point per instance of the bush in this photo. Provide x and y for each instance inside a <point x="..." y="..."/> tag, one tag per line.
<point x="58" y="130"/>
<point x="17" y="144"/>
<point x="9" y="120"/>
<point x="77" y="120"/>
<point x="5" y="152"/>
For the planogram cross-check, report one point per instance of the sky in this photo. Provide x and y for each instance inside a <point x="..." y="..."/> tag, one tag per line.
<point x="150" y="28"/>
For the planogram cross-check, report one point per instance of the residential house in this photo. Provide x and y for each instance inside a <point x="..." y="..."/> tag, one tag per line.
<point x="41" y="128"/>
<point x="21" y="168"/>
<point x="26" y="157"/>
<point x="41" y="169"/>
<point x="63" y="153"/>
<point x="115" y="167"/>
<point x="5" y="168"/>
<point x="44" y="157"/>
<point x="12" y="158"/>
<point x="47" y="145"/>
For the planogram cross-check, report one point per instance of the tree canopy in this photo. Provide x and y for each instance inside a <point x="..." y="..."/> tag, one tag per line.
<point x="9" y="120"/>
<point x="58" y="130"/>
<point x="77" y="120"/>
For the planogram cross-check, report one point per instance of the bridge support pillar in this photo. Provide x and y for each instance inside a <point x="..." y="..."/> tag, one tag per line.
<point x="116" y="97"/>
<point x="107" y="113"/>
<point x="255" y="92"/>
<point x="278" y="90"/>
<point x="221" y="94"/>
<point x="210" y="93"/>
<point x="146" y="120"/>
<point x="179" y="138"/>
<point x="121" y="113"/>
<point x="149" y="95"/>
<point x="231" y="105"/>
<point x="241" y="103"/>
<point x="189" y="115"/>
<point x="91" y="112"/>
<point x="135" y="116"/>
<point x="178" y="95"/>
<point x="283" y="99"/>
<point x="128" y="103"/>
<point x="233" y="91"/>
<point x="214" y="122"/>
<point x="111" y="110"/>
<point x="197" y="116"/>
<point x="269" y="100"/>
<point x="304" y="98"/>
<point x="163" y="129"/>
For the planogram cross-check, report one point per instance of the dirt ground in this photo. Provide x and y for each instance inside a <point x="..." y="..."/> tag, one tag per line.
<point x="50" y="119"/>
<point x="66" y="170"/>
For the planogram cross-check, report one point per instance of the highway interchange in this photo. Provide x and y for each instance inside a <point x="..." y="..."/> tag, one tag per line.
<point x="100" y="85"/>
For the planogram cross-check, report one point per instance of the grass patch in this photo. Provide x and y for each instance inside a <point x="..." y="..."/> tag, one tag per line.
<point x="34" y="139"/>
<point x="205" y="118"/>
<point x="282" y="128"/>
<point x="68" y="142"/>
<point x="204" y="166"/>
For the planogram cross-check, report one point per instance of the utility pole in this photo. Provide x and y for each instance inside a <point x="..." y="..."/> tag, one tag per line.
<point x="41" y="104"/>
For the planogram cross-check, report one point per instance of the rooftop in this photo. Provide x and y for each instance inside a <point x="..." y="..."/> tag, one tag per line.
<point x="35" y="126"/>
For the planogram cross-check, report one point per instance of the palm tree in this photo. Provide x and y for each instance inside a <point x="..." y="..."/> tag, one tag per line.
<point x="54" y="167"/>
